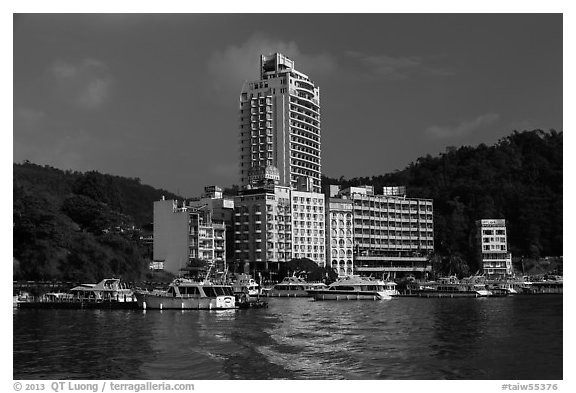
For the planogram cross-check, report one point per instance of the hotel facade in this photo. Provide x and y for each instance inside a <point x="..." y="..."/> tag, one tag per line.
<point x="493" y="253"/>
<point x="393" y="235"/>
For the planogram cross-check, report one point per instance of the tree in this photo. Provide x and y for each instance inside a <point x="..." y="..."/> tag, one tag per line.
<point x="306" y="268"/>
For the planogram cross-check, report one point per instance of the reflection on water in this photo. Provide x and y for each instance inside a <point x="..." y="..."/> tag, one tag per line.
<point x="404" y="338"/>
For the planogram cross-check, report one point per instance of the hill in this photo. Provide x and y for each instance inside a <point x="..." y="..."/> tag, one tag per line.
<point x="518" y="179"/>
<point x="79" y="226"/>
<point x="86" y="226"/>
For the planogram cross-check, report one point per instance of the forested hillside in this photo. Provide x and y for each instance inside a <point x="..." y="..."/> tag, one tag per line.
<point x="518" y="179"/>
<point x="79" y="226"/>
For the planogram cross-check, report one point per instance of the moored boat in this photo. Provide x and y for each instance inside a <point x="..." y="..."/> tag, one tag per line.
<point x="186" y="294"/>
<point x="247" y="292"/>
<point x="356" y="288"/>
<point x="109" y="293"/>
<point x="292" y="287"/>
<point x="243" y="284"/>
<point x="109" y="289"/>
<point x="455" y="290"/>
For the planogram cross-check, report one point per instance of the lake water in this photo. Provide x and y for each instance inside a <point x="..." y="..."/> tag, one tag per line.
<point x="516" y="337"/>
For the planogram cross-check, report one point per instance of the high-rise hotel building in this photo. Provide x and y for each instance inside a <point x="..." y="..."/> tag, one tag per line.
<point x="280" y="125"/>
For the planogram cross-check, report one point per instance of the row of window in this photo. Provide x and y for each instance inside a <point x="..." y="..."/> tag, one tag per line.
<point x="308" y="216"/>
<point x="341" y="253"/>
<point x="499" y="239"/>
<point x="492" y="247"/>
<point x="392" y="204"/>
<point x="489" y="232"/>
<point x="319" y="209"/>
<point x="393" y="243"/>
<point x="309" y="232"/>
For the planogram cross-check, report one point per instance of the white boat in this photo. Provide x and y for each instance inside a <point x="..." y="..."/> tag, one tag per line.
<point x="292" y="287"/>
<point x="452" y="287"/>
<point x="186" y="294"/>
<point x="356" y="288"/>
<point x="244" y="284"/>
<point x="504" y="287"/>
<point x="109" y="289"/>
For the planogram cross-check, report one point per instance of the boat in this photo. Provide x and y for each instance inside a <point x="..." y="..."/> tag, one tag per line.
<point x="109" y="289"/>
<point x="452" y="287"/>
<point x="247" y="292"/>
<point x="292" y="287"/>
<point x="109" y="293"/>
<point x="187" y="294"/>
<point x="243" y="284"/>
<point x="502" y="288"/>
<point x="356" y="288"/>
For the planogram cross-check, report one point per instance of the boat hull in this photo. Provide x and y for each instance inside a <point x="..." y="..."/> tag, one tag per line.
<point x="349" y="295"/>
<point x="89" y="305"/>
<point x="436" y="294"/>
<point x="286" y="293"/>
<point x="162" y="302"/>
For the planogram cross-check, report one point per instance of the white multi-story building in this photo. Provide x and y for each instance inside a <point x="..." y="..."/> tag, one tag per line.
<point x="262" y="230"/>
<point x="393" y="234"/>
<point x="280" y="124"/>
<point x="493" y="253"/>
<point x="308" y="226"/>
<point x="340" y="236"/>
<point x="222" y="212"/>
<point x="183" y="233"/>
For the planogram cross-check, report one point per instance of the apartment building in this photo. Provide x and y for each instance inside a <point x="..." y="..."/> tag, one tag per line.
<point x="183" y="233"/>
<point x="262" y="230"/>
<point x="222" y="211"/>
<point x="493" y="253"/>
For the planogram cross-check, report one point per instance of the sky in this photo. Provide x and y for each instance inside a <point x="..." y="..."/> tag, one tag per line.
<point x="155" y="96"/>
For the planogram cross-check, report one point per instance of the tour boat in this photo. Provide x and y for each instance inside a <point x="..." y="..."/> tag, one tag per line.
<point x="109" y="293"/>
<point x="109" y="289"/>
<point x="503" y="288"/>
<point x="292" y="287"/>
<point x="356" y="288"/>
<point x="451" y="287"/>
<point x="186" y="294"/>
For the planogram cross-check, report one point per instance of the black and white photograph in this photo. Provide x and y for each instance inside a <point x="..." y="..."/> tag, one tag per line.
<point x="287" y="194"/>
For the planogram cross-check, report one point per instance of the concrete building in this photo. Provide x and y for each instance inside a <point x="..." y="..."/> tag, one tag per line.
<point x="280" y="125"/>
<point x="393" y="234"/>
<point x="262" y="230"/>
<point x="493" y="253"/>
<point x="308" y="226"/>
<point x="340" y="236"/>
<point x="222" y="212"/>
<point x="183" y="233"/>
